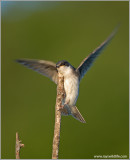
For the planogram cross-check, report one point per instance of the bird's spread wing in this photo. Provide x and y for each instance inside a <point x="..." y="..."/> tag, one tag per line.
<point x="88" y="61"/>
<point x="45" y="68"/>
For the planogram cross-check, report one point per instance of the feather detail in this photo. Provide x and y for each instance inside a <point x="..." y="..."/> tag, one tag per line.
<point x="43" y="67"/>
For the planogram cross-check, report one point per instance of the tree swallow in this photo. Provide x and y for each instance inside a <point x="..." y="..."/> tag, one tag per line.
<point x="72" y="76"/>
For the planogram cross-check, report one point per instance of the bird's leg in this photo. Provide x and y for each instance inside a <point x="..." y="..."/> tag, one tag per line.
<point x="62" y="106"/>
<point x="67" y="102"/>
<point x="64" y="95"/>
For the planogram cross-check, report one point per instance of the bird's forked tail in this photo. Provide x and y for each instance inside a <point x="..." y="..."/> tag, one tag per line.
<point x="76" y="114"/>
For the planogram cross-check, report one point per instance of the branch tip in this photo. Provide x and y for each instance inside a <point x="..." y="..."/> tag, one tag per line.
<point x="18" y="146"/>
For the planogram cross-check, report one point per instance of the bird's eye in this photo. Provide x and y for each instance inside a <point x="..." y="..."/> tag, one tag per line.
<point x="64" y="64"/>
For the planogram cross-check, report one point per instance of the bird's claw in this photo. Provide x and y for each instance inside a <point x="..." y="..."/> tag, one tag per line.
<point x="61" y="107"/>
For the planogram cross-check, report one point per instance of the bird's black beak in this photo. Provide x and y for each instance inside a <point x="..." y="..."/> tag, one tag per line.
<point x="57" y="66"/>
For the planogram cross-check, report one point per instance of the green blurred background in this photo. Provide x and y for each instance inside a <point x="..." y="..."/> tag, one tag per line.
<point x="65" y="30"/>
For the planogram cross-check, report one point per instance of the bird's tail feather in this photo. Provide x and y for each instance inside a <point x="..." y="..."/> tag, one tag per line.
<point x="76" y="114"/>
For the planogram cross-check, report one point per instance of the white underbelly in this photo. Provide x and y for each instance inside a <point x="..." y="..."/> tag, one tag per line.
<point x="71" y="86"/>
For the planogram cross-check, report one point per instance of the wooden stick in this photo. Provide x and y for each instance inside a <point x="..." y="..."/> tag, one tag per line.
<point x="60" y="96"/>
<point x="18" y="146"/>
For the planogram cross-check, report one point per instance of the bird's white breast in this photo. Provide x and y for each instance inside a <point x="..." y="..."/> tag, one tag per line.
<point x="71" y="85"/>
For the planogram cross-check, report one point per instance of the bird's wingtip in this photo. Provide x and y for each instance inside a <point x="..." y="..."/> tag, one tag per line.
<point x="19" y="60"/>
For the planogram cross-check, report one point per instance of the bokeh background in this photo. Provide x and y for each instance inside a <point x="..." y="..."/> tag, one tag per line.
<point x="55" y="31"/>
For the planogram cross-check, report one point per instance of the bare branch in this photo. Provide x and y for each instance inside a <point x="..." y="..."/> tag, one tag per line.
<point x="18" y="146"/>
<point x="60" y="96"/>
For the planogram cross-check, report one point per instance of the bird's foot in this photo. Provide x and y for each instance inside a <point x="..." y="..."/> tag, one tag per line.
<point x="60" y="107"/>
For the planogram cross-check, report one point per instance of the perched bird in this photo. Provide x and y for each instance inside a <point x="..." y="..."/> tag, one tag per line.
<point x="72" y="76"/>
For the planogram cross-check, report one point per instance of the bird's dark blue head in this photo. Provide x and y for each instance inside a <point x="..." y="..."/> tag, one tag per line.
<point x="62" y="63"/>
